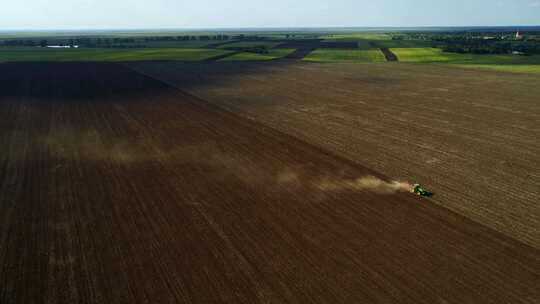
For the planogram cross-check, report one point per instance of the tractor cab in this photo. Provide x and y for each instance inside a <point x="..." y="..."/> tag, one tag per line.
<point x="417" y="189"/>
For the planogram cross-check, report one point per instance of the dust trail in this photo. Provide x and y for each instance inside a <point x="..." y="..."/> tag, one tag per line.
<point x="288" y="176"/>
<point x="89" y="145"/>
<point x="366" y="183"/>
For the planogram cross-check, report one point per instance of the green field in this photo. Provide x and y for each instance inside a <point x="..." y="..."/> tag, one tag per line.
<point x="407" y="51"/>
<point x="191" y="44"/>
<point x="174" y="54"/>
<point x="503" y="63"/>
<point x="505" y="60"/>
<point x="507" y="63"/>
<point x="331" y="55"/>
<point x="248" y="44"/>
<point x="357" y="36"/>
<point x="375" y="40"/>
<point x="272" y="54"/>
<point x="364" y="44"/>
<point x="427" y="55"/>
<point x="399" y="43"/>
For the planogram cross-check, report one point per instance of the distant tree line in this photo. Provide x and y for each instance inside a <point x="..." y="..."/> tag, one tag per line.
<point x="17" y="42"/>
<point x="127" y="42"/>
<point x="30" y="42"/>
<point x="479" y="46"/>
<point x="412" y="36"/>
<point x="109" y="43"/>
<point x="306" y="36"/>
<point x="221" y="37"/>
<point x="488" y="42"/>
<point x="478" y="42"/>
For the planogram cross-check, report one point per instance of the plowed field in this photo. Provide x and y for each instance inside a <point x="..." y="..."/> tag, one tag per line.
<point x="117" y="188"/>
<point x="470" y="136"/>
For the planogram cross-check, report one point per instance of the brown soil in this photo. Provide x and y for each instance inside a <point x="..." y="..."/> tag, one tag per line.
<point x="317" y="44"/>
<point x="470" y="136"/>
<point x="218" y="44"/>
<point x="222" y="56"/>
<point x="389" y="55"/>
<point x="300" y="53"/>
<point x="305" y="46"/>
<point x="116" y="188"/>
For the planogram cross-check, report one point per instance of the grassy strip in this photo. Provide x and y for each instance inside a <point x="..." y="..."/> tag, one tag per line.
<point x="192" y="44"/>
<point x="358" y="36"/>
<point x="247" y="44"/>
<point x="272" y="54"/>
<point x="428" y="55"/>
<point x="437" y="55"/>
<point x="39" y="54"/>
<point x="331" y="55"/>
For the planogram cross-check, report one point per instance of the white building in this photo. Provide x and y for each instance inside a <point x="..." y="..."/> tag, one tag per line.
<point x="63" y="46"/>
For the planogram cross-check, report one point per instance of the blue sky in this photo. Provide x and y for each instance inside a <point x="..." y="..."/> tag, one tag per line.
<point x="106" y="14"/>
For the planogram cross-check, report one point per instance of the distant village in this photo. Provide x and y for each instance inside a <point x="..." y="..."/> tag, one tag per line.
<point x="517" y="36"/>
<point x="515" y="43"/>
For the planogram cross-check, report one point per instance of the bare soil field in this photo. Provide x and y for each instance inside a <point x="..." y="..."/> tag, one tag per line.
<point x="317" y="44"/>
<point x="117" y="188"/>
<point x="470" y="136"/>
<point x="389" y="55"/>
<point x="305" y="46"/>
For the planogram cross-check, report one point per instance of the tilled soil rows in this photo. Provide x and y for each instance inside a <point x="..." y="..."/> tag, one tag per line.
<point x="117" y="188"/>
<point x="470" y="136"/>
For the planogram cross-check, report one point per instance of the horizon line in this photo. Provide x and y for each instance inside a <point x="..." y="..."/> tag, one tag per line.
<point x="267" y="28"/>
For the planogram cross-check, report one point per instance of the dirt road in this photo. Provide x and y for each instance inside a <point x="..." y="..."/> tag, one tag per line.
<point x="116" y="188"/>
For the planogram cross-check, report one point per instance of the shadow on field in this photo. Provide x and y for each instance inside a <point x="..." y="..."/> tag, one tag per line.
<point x="186" y="75"/>
<point x="73" y="81"/>
<point x="94" y="80"/>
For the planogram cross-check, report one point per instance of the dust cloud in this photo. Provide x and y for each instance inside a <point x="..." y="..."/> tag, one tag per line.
<point x="366" y="183"/>
<point x="89" y="145"/>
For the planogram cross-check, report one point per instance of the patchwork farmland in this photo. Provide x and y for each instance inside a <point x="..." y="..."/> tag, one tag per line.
<point x="270" y="167"/>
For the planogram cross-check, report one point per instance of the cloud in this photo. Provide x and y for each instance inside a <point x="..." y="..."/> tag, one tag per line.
<point x="534" y="4"/>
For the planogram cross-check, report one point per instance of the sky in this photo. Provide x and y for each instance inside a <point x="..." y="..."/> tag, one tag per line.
<point x="155" y="14"/>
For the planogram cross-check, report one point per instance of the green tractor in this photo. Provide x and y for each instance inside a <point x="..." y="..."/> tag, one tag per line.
<point x="417" y="189"/>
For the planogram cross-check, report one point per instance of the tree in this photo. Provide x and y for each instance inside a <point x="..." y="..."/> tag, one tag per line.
<point x="43" y="43"/>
